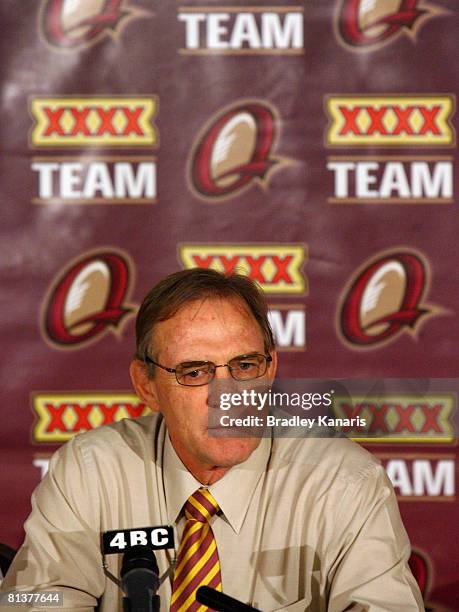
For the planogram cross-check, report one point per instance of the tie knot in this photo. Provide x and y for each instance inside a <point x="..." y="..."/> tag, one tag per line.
<point x="201" y="506"/>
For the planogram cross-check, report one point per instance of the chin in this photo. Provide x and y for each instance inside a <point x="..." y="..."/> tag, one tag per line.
<point x="226" y="452"/>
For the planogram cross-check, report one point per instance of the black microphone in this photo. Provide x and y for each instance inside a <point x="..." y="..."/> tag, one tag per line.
<point x="140" y="580"/>
<point x="218" y="601"/>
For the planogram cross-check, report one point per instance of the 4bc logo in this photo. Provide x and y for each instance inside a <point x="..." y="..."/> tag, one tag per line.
<point x="122" y="540"/>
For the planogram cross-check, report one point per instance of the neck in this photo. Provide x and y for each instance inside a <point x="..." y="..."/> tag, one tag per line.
<point x="204" y="473"/>
<point x="209" y="476"/>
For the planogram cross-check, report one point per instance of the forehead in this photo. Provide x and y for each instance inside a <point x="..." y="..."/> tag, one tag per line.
<point x="208" y="328"/>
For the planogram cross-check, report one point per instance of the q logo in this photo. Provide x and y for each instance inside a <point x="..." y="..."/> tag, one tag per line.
<point x="87" y="300"/>
<point x="234" y="150"/>
<point x="363" y="24"/>
<point x="384" y="299"/>
<point x="74" y="24"/>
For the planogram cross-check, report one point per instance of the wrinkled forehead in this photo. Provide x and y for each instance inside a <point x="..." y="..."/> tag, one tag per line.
<point x="208" y="324"/>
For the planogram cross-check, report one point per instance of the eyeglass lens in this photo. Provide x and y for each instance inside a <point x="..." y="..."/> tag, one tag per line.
<point x="241" y="368"/>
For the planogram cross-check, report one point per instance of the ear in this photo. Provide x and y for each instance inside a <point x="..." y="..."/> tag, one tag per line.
<point x="144" y="387"/>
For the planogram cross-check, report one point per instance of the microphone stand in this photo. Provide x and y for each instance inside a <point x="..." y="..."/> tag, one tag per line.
<point x="155" y="603"/>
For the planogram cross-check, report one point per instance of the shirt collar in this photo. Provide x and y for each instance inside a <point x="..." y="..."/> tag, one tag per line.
<point x="242" y="478"/>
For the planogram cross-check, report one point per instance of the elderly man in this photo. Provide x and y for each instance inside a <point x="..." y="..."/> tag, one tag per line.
<point x="283" y="524"/>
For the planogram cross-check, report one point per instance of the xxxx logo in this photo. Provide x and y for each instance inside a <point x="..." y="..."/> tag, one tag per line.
<point x="234" y="150"/>
<point x="87" y="300"/>
<point x="390" y="120"/>
<point x="277" y="268"/>
<point x="60" y="416"/>
<point x="400" y="418"/>
<point x="90" y="121"/>
<point x="384" y="299"/>
<point x="73" y="24"/>
<point x="363" y="24"/>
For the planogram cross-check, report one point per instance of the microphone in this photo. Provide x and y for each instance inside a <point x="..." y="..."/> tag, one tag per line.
<point x="140" y="580"/>
<point x="218" y="601"/>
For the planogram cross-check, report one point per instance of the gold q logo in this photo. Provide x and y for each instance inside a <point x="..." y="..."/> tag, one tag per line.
<point x="233" y="151"/>
<point x="73" y="24"/>
<point x="363" y="24"/>
<point x="87" y="300"/>
<point x="385" y="298"/>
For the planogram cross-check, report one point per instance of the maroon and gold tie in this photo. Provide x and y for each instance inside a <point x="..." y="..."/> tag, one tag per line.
<point x="197" y="560"/>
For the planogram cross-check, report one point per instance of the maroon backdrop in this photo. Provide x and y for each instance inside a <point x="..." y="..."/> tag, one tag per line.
<point x="310" y="144"/>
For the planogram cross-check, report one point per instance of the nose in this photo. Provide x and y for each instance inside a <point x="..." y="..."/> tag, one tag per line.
<point x="222" y="383"/>
<point x="222" y="371"/>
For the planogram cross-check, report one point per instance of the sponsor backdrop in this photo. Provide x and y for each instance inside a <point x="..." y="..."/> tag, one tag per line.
<point x="309" y="144"/>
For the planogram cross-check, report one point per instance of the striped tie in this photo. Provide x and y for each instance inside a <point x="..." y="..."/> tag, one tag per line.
<point x="197" y="560"/>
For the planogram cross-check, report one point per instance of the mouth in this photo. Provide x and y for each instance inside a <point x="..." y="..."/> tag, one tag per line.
<point x="232" y="432"/>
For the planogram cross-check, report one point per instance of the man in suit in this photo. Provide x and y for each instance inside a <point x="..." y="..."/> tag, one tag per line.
<point x="297" y="524"/>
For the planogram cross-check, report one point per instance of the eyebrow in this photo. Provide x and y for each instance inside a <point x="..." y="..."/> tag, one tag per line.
<point x="188" y="364"/>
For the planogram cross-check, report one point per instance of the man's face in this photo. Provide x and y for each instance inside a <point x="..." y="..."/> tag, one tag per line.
<point x="213" y="329"/>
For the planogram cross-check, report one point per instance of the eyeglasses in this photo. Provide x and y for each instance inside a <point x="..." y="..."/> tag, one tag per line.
<point x="199" y="373"/>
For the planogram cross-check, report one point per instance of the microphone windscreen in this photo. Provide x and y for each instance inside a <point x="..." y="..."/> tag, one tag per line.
<point x="139" y="557"/>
